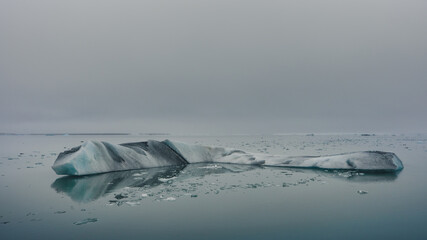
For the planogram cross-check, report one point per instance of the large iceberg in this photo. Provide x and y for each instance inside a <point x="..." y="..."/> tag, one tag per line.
<point x="94" y="157"/>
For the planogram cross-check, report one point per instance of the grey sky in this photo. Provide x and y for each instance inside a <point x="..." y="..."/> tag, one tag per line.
<point x="219" y="66"/>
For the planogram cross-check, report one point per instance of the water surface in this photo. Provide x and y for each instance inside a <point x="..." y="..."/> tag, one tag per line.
<point x="212" y="201"/>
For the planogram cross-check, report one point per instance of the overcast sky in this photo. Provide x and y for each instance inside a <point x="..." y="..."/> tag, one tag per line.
<point x="213" y="66"/>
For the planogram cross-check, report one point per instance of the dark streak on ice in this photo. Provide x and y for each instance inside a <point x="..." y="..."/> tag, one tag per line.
<point x="72" y="150"/>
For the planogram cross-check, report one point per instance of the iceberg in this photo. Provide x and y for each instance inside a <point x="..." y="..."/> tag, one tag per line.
<point x="93" y="157"/>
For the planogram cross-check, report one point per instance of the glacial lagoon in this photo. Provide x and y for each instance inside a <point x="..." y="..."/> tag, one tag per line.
<point x="215" y="200"/>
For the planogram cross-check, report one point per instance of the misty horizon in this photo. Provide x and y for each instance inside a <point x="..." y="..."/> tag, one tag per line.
<point x="213" y="67"/>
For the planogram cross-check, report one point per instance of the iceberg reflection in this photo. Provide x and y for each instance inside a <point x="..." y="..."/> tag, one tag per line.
<point x="91" y="187"/>
<point x="88" y="188"/>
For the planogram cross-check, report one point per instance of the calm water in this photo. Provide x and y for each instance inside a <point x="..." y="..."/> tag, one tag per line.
<point x="214" y="201"/>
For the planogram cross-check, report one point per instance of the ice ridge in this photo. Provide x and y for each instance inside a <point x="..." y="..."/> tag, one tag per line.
<point x="94" y="157"/>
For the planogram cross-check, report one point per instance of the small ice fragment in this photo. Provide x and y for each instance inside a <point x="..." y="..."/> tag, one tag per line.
<point x="138" y="174"/>
<point x="211" y="167"/>
<point x="60" y="212"/>
<point x="362" y="192"/>
<point x="345" y="174"/>
<point x="120" y="196"/>
<point x="85" y="221"/>
<point x="170" y="199"/>
<point x="194" y="195"/>
<point x="166" y="179"/>
<point x="144" y="195"/>
<point x="133" y="203"/>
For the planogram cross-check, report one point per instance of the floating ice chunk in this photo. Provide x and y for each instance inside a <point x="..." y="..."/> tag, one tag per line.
<point x="166" y="179"/>
<point x="170" y="199"/>
<point x="120" y="196"/>
<point x="85" y="221"/>
<point x="211" y="167"/>
<point x="362" y="192"/>
<point x="97" y="157"/>
<point x="134" y="203"/>
<point x="368" y="160"/>
<point x="138" y="174"/>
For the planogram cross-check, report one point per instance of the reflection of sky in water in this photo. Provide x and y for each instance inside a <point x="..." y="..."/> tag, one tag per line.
<point x="214" y="201"/>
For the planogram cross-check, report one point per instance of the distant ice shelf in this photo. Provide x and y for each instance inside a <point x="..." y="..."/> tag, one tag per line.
<point x="94" y="157"/>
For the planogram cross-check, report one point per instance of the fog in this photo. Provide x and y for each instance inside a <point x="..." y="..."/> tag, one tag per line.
<point x="213" y="67"/>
